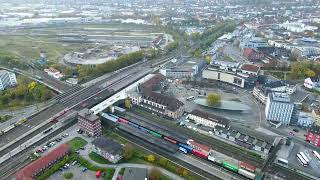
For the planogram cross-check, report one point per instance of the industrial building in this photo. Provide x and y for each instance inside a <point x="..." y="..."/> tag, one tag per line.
<point x="209" y="120"/>
<point x="7" y="79"/>
<point x="242" y="75"/>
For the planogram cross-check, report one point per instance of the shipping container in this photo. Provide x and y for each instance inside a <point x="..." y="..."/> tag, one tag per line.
<point x="144" y="129"/>
<point x="106" y="116"/>
<point x="123" y="120"/>
<point x="133" y="124"/>
<point x="211" y="158"/>
<point x="246" y="173"/>
<point x="247" y="166"/>
<point x="170" y="140"/>
<point x="185" y="146"/>
<point x="183" y="150"/>
<point x="230" y="166"/>
<point x="114" y="116"/>
<point x="198" y="146"/>
<point x="155" y="134"/>
<point x="200" y="154"/>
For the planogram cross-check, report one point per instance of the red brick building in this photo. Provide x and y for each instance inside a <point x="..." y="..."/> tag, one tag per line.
<point x="89" y="122"/>
<point x="34" y="169"/>
<point x="313" y="136"/>
<point x="252" y="54"/>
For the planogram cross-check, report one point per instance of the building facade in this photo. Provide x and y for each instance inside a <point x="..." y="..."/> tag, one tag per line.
<point x="148" y="96"/>
<point x="89" y="123"/>
<point x="313" y="135"/>
<point x="207" y="119"/>
<point x="107" y="148"/>
<point x="7" y="79"/>
<point x="279" y="109"/>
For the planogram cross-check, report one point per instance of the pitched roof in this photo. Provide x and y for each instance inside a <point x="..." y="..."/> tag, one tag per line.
<point x="28" y="171"/>
<point x="249" y="67"/>
<point x="108" y="145"/>
<point x="211" y="117"/>
<point x="171" y="103"/>
<point x="155" y="80"/>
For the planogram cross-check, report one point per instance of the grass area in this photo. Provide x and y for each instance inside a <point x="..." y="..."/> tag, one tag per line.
<point x="76" y="143"/>
<point x="228" y="58"/>
<point x="121" y="172"/>
<point x="164" y="177"/>
<point x="109" y="133"/>
<point x="97" y="158"/>
<point x="5" y="118"/>
<point x="214" y="143"/>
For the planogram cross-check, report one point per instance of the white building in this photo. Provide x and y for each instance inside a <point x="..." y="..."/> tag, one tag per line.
<point x="54" y="73"/>
<point x="107" y="148"/>
<point x="279" y="109"/>
<point x="305" y="120"/>
<point x="207" y="119"/>
<point x="7" y="79"/>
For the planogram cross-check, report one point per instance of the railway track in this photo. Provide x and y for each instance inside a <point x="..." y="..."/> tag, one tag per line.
<point x="214" y="144"/>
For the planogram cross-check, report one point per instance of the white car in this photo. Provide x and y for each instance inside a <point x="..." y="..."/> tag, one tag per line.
<point x="210" y="132"/>
<point x="189" y="127"/>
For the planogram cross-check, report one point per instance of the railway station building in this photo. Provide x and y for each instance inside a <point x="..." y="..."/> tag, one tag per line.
<point x="209" y="120"/>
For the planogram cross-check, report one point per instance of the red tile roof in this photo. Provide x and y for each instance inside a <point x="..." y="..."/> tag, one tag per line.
<point x="28" y="171"/>
<point x="249" y="67"/>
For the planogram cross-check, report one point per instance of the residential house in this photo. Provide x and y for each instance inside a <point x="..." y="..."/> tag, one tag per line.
<point x="107" y="148"/>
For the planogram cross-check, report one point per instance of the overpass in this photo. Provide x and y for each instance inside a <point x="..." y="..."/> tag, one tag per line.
<point x="118" y="96"/>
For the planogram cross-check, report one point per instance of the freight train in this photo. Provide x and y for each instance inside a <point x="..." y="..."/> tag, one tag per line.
<point x="190" y="146"/>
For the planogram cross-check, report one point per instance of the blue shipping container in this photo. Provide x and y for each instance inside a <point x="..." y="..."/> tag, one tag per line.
<point x="114" y="116"/>
<point x="144" y="129"/>
<point x="185" y="146"/>
<point x="133" y="124"/>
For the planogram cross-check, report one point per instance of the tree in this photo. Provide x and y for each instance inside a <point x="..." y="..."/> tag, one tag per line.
<point x="155" y="174"/>
<point x="213" y="98"/>
<point x="310" y="73"/>
<point x="68" y="175"/>
<point x="127" y="103"/>
<point x="163" y="162"/>
<point x="208" y="59"/>
<point x="151" y="158"/>
<point x="32" y="85"/>
<point x="128" y="151"/>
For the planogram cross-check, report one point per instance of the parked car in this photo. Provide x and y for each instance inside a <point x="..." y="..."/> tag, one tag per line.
<point x="58" y="139"/>
<point x="295" y="130"/>
<point x="74" y="163"/>
<point x="84" y="169"/>
<point x="82" y="148"/>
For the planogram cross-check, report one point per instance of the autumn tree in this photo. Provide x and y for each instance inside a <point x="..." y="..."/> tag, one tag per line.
<point x="128" y="151"/>
<point x="310" y="73"/>
<point x="127" y="103"/>
<point x="213" y="98"/>
<point x="151" y="158"/>
<point x="163" y="162"/>
<point x="155" y="174"/>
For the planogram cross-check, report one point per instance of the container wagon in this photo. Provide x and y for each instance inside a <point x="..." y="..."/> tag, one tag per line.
<point x="170" y="140"/>
<point x="183" y="150"/>
<point x="133" y="124"/>
<point x="200" y="154"/>
<point x="247" y="167"/>
<point x="144" y="129"/>
<point x="186" y="147"/>
<point x="106" y="116"/>
<point x="230" y="167"/>
<point x="155" y="134"/>
<point x="247" y="174"/>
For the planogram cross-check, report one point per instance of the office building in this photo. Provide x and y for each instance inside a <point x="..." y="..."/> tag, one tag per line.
<point x="279" y="109"/>
<point x="89" y="122"/>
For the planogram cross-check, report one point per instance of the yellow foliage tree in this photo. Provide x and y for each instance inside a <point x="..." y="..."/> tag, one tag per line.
<point x="310" y="73"/>
<point x="213" y="98"/>
<point x="32" y="85"/>
<point x="127" y="103"/>
<point x="151" y="158"/>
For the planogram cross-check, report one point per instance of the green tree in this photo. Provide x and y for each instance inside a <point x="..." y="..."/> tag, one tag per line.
<point x="208" y="59"/>
<point x="127" y="103"/>
<point x="68" y="175"/>
<point x="128" y="151"/>
<point x="163" y="162"/>
<point x="213" y="98"/>
<point x="155" y="174"/>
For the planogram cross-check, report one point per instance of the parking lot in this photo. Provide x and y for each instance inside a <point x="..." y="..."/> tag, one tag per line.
<point x="314" y="165"/>
<point x="249" y="118"/>
<point x="77" y="172"/>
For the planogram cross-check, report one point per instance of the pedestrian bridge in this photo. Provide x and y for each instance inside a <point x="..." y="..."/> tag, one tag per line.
<point x="119" y="95"/>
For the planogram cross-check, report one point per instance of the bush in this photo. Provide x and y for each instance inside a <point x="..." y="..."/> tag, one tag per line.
<point x="68" y="175"/>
